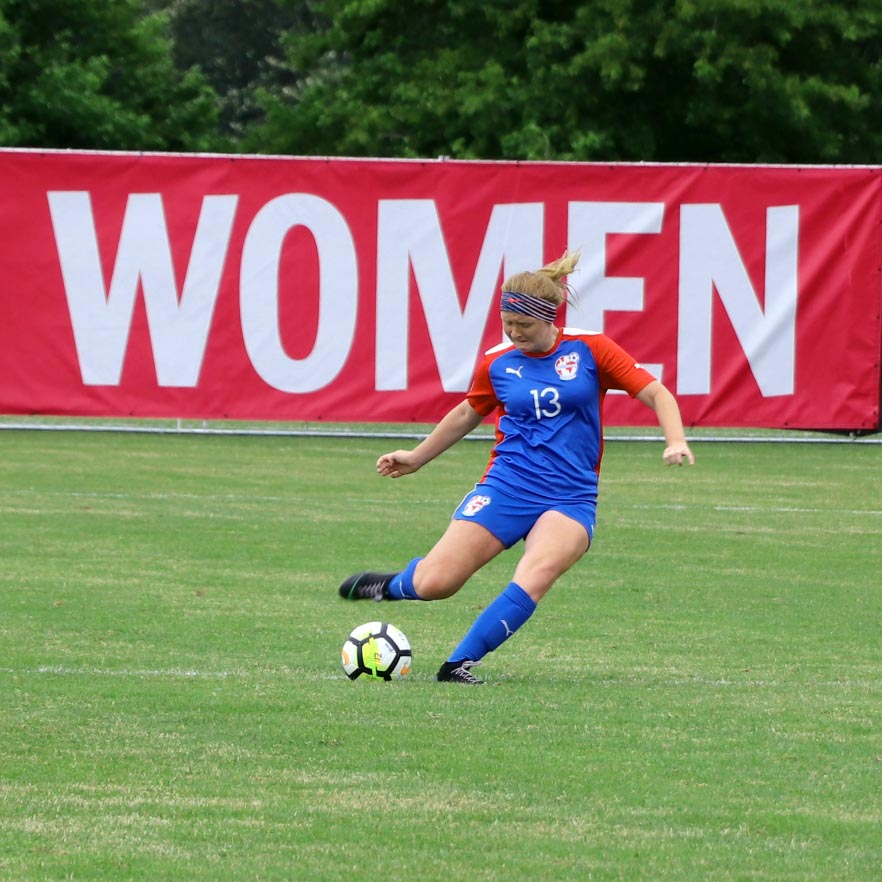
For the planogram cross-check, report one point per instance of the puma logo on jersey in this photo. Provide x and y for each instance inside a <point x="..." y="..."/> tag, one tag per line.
<point x="516" y="371"/>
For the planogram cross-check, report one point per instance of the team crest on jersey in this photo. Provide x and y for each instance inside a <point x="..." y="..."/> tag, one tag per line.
<point x="475" y="504"/>
<point x="567" y="366"/>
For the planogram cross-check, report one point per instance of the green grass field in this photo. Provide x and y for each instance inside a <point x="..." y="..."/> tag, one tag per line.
<point x="700" y="699"/>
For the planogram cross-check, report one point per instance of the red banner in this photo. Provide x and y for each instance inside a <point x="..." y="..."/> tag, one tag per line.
<point x="365" y="290"/>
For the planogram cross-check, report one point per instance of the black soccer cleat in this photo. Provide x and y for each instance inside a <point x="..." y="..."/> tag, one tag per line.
<point x="459" y="672"/>
<point x="367" y="586"/>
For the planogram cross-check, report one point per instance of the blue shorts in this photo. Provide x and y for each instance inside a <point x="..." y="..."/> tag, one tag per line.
<point x="510" y="519"/>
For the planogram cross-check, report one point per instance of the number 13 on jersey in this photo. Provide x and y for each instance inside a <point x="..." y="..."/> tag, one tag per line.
<point x="546" y="402"/>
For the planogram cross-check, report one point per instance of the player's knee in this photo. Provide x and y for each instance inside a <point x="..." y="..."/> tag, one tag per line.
<point x="538" y="576"/>
<point x="433" y="583"/>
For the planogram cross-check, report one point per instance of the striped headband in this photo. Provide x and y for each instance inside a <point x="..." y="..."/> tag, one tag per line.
<point x="526" y="304"/>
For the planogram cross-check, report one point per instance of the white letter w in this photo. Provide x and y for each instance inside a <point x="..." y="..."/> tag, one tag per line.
<point x="102" y="322"/>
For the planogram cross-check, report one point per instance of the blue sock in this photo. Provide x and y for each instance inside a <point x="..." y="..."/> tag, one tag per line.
<point x="496" y="624"/>
<point x="401" y="586"/>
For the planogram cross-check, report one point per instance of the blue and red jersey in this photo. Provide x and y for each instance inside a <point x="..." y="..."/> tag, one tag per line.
<point x="549" y="430"/>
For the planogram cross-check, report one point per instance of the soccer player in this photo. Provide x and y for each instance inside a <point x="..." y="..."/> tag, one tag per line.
<point x="546" y="388"/>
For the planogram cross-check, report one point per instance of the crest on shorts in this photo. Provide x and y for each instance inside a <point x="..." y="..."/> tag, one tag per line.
<point x="567" y="366"/>
<point x="475" y="504"/>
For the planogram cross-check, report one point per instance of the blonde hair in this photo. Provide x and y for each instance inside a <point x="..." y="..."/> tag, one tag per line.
<point x="546" y="283"/>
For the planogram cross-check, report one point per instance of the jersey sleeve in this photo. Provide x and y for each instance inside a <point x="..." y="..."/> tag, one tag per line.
<point x="481" y="395"/>
<point x="617" y="369"/>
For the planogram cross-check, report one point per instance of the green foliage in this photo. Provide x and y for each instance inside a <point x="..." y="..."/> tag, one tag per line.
<point x="97" y="74"/>
<point x="696" y="700"/>
<point x="722" y="80"/>
<point x="237" y="44"/>
<point x="614" y="80"/>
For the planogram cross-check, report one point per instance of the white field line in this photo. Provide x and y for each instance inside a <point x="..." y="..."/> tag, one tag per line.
<point x="79" y="494"/>
<point x="163" y="673"/>
<point x="232" y="497"/>
<point x="176" y="673"/>
<point x="673" y="680"/>
<point x="755" y="508"/>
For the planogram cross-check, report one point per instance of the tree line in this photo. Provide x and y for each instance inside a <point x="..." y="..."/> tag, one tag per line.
<point x="752" y="81"/>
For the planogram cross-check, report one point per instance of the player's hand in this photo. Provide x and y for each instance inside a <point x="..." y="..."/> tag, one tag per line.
<point x="676" y="454"/>
<point x="396" y="464"/>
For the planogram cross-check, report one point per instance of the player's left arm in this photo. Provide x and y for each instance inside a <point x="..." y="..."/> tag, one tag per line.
<point x="658" y="398"/>
<point x="619" y="371"/>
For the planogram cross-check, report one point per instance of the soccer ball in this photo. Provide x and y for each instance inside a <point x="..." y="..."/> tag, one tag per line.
<point x="377" y="651"/>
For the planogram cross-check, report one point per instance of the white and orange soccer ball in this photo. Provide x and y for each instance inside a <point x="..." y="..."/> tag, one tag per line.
<point x="377" y="651"/>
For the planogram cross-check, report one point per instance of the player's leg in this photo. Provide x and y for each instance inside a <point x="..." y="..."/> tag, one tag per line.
<point x="553" y="545"/>
<point x="461" y="551"/>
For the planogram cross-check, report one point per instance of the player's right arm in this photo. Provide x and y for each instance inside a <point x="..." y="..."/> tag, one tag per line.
<point x="458" y="422"/>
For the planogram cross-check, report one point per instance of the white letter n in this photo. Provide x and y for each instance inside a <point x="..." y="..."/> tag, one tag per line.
<point x="709" y="260"/>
